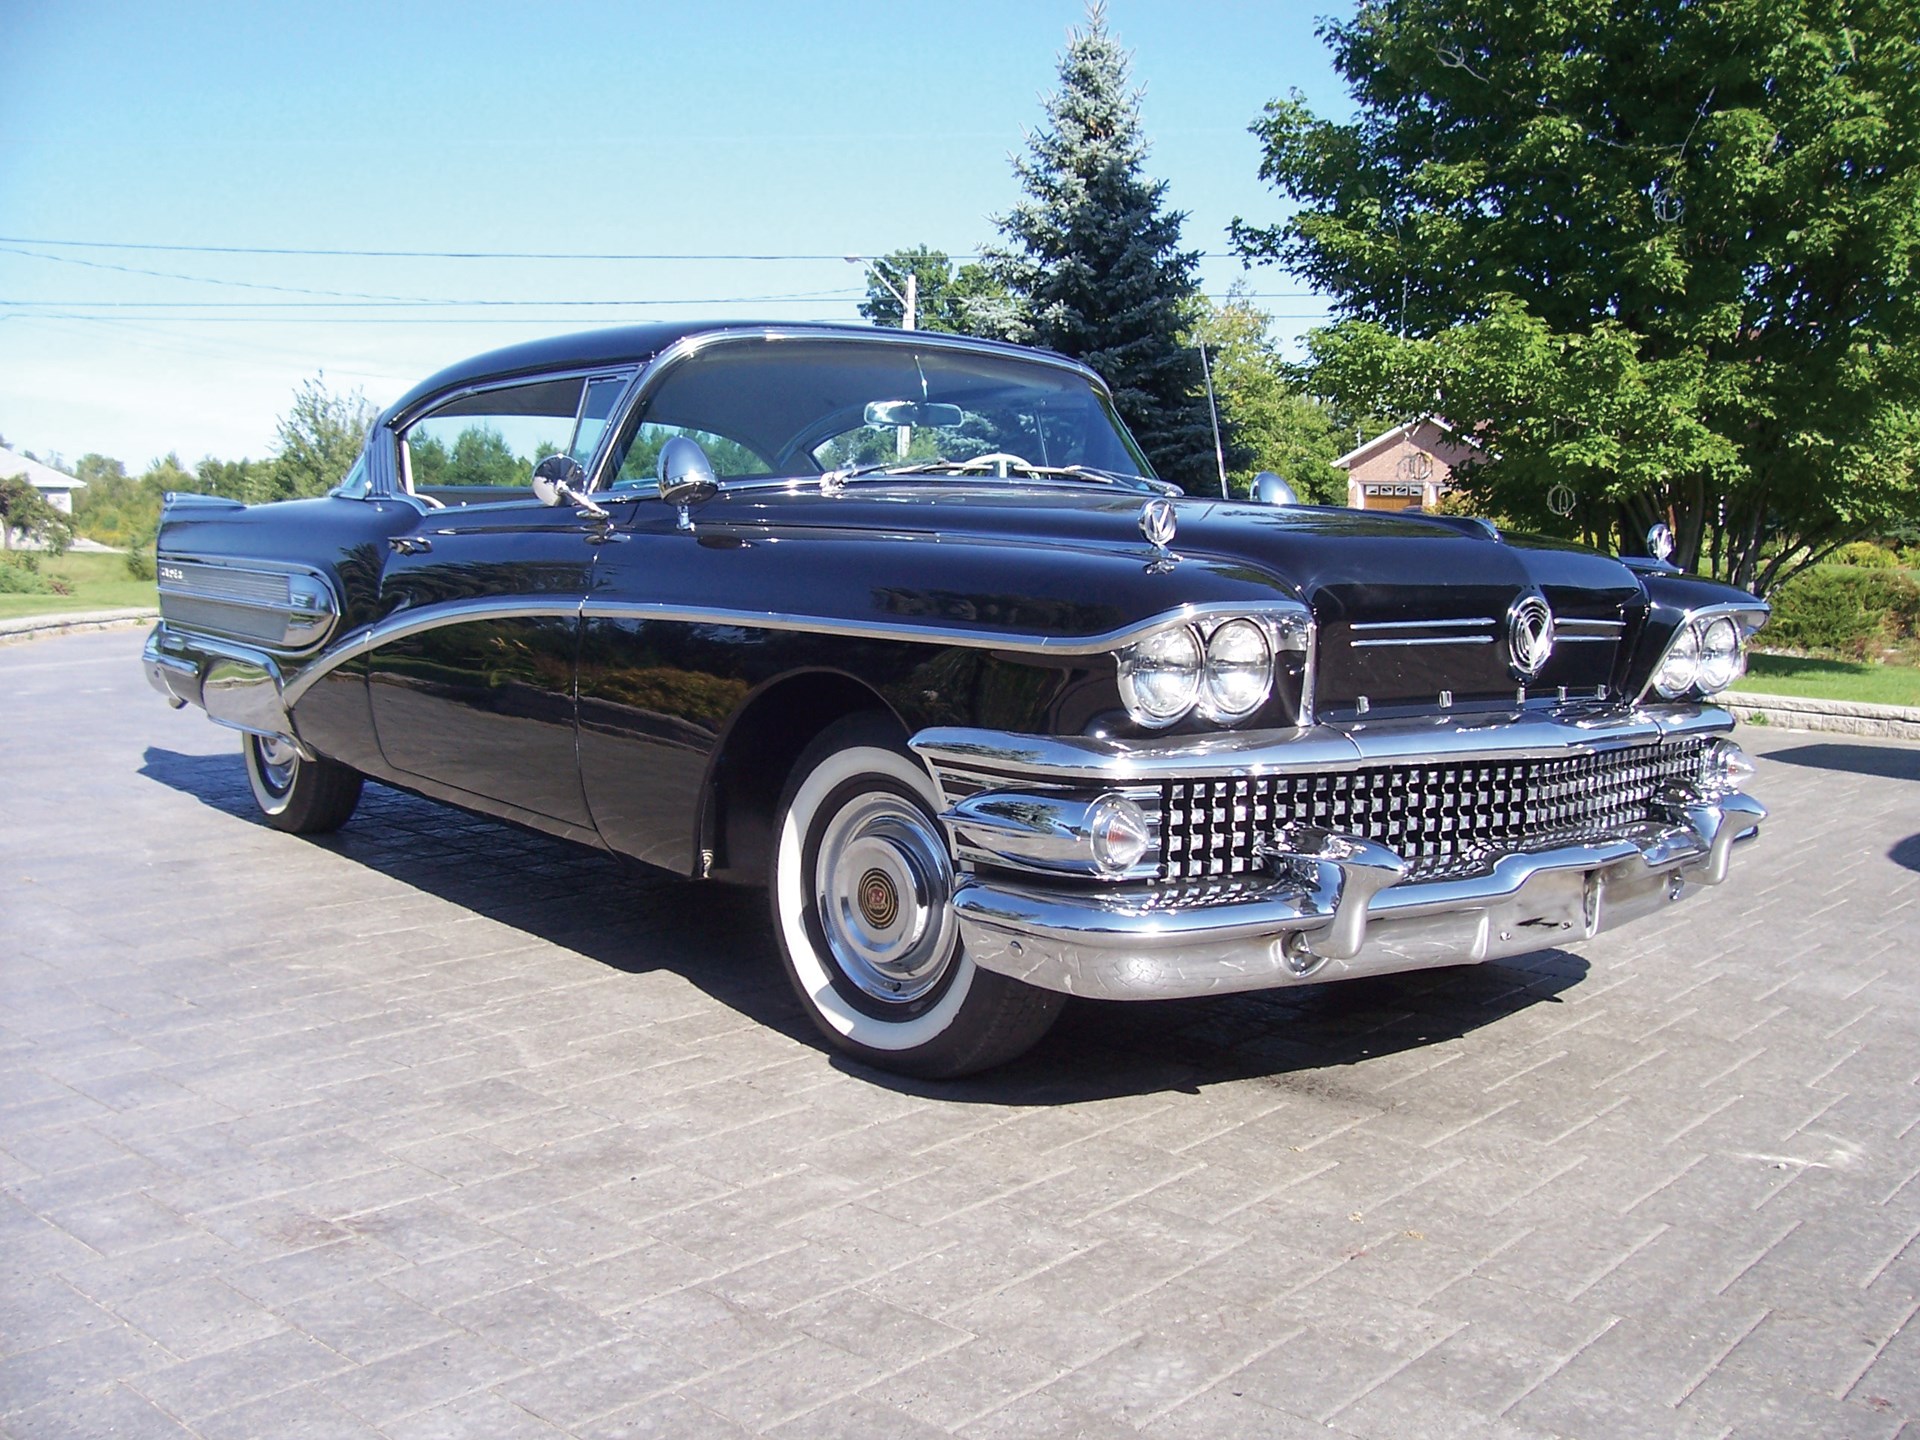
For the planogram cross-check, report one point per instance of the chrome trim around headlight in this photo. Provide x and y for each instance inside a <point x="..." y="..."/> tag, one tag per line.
<point x="1749" y="616"/>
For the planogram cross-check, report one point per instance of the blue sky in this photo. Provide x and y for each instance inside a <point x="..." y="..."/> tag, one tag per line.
<point x="721" y="128"/>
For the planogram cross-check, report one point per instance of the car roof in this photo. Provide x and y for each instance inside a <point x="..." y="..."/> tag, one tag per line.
<point x="636" y="344"/>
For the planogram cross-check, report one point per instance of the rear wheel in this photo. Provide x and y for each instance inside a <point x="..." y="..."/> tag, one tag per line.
<point x="862" y="885"/>
<point x="295" y="794"/>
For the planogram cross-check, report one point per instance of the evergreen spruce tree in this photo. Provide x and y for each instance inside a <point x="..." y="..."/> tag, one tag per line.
<point x="1094" y="257"/>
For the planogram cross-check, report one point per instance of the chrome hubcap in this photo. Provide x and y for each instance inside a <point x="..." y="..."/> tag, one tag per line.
<point x="882" y="881"/>
<point x="278" y="759"/>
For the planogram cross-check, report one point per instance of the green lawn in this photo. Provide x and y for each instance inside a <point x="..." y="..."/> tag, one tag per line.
<point x="1832" y="680"/>
<point x="100" y="582"/>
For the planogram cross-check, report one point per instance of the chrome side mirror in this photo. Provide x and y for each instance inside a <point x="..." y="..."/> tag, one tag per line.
<point x="686" y="477"/>
<point x="560" y="477"/>
<point x="1270" y="489"/>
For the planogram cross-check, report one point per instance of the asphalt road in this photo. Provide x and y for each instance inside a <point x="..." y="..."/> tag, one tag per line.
<point x="434" y="1128"/>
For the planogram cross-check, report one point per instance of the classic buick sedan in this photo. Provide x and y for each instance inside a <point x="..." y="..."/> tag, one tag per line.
<point x="902" y="627"/>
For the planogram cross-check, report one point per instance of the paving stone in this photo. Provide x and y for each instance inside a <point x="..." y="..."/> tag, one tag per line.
<point x="442" y="1128"/>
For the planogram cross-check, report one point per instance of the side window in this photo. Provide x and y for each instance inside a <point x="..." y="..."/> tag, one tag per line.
<point x="356" y="486"/>
<point x="602" y="393"/>
<point x="483" y="447"/>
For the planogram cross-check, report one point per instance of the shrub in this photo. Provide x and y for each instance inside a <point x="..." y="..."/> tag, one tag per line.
<point x="1866" y="555"/>
<point x="1845" y="609"/>
<point x="20" y="575"/>
<point x="141" y="547"/>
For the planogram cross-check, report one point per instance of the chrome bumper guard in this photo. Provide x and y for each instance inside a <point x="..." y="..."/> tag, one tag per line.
<point x="236" y="685"/>
<point x="1332" y="905"/>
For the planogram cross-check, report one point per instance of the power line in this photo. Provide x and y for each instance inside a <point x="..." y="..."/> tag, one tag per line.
<point x="615" y="256"/>
<point x="402" y="254"/>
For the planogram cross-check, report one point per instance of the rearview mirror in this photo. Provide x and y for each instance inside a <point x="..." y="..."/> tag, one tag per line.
<point x="890" y="414"/>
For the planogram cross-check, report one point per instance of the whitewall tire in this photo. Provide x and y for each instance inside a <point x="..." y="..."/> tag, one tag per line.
<point x="299" y="795"/>
<point x="861" y="888"/>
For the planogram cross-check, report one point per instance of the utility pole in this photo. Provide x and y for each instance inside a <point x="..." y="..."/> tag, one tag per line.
<point x="909" y="314"/>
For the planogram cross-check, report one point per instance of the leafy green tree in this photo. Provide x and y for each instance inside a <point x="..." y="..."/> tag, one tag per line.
<point x="969" y="300"/>
<point x="320" y="438"/>
<point x="1093" y="257"/>
<point x="1664" y="254"/>
<point x="248" y="481"/>
<point x="26" y="512"/>
<point x="481" y="456"/>
<point x="1274" y="425"/>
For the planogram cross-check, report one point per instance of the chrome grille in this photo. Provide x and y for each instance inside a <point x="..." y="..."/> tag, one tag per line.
<point x="1440" y="817"/>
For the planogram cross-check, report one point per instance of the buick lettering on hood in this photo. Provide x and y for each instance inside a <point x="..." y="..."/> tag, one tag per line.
<point x="903" y="627"/>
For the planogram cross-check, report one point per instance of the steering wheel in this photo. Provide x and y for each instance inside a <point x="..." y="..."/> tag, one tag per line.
<point x="1001" y="458"/>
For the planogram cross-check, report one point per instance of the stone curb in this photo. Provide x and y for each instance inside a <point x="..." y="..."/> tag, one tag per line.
<point x="1847" y="717"/>
<point x="39" y="627"/>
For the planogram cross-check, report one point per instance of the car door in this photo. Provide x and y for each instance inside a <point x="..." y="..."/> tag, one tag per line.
<point x="472" y="686"/>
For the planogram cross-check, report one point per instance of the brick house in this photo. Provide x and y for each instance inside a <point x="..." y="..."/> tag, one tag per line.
<point x="1411" y="464"/>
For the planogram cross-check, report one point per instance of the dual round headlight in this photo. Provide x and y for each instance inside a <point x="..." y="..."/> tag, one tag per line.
<point x="1706" y="655"/>
<point x="1225" y="672"/>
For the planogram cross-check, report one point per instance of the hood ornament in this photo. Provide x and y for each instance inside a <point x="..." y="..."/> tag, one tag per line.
<point x="1660" y="540"/>
<point x="1158" y="523"/>
<point x="1529" y="636"/>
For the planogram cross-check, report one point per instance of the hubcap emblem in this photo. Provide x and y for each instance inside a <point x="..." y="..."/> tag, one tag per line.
<point x="1529" y="636"/>
<point x="879" y="901"/>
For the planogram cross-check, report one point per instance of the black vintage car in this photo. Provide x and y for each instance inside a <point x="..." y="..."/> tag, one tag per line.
<point x="902" y="627"/>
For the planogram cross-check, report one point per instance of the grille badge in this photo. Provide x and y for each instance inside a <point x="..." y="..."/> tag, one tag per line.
<point x="1529" y="636"/>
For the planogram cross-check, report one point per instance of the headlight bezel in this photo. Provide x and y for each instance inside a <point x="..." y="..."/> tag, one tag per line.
<point x="1682" y="670"/>
<point x="1210" y="637"/>
<point x="1139" y="660"/>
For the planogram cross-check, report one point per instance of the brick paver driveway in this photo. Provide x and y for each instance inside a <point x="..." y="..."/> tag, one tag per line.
<point x="436" y="1128"/>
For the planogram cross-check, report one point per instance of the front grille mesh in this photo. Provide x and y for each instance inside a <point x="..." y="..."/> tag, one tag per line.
<point x="1440" y="817"/>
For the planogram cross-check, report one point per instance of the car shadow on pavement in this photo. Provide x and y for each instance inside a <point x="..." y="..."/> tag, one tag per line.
<point x="1890" y="762"/>
<point x="719" y="939"/>
<point x="1906" y="853"/>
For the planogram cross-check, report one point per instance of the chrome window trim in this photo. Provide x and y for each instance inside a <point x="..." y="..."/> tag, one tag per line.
<point x="400" y="479"/>
<point x="689" y="346"/>
<point x="1291" y="622"/>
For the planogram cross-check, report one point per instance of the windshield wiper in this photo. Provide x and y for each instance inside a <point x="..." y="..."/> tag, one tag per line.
<point x="831" y="480"/>
<point x="995" y="465"/>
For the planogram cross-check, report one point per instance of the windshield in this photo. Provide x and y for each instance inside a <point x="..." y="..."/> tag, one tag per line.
<point x="774" y="407"/>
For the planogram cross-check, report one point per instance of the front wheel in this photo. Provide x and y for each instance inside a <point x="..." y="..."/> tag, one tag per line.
<point x="862" y="886"/>
<point x="295" y="794"/>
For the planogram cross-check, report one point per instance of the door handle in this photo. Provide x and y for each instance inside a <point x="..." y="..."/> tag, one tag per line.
<point x="409" y="545"/>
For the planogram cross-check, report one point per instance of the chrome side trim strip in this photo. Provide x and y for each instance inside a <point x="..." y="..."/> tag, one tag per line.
<point x="413" y="622"/>
<point x="1293" y="626"/>
<point x="1292" y="623"/>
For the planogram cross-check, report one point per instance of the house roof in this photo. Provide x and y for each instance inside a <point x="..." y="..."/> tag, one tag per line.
<point x="41" y="477"/>
<point x="1387" y="437"/>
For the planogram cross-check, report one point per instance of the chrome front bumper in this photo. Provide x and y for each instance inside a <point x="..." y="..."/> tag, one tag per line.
<point x="1335" y="906"/>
